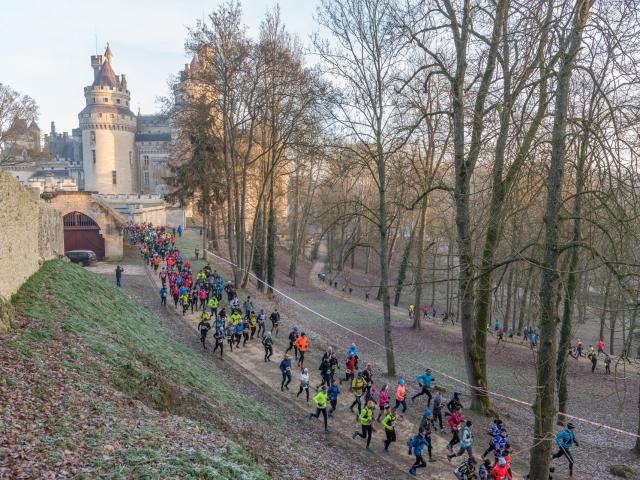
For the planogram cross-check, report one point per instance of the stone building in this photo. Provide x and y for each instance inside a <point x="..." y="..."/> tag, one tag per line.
<point x="153" y="147"/>
<point x="90" y="223"/>
<point x="122" y="153"/>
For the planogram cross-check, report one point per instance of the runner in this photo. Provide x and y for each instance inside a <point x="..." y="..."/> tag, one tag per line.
<point x="230" y="334"/>
<point x="416" y="445"/>
<point x="350" y="369"/>
<point x="352" y="351"/>
<point x="366" y="420"/>
<point x="275" y="321"/>
<point x="501" y="470"/>
<point x="466" y="443"/>
<point x="424" y="382"/>
<point x="285" y="369"/>
<point x="218" y="336"/>
<point x="437" y="410"/>
<point x="320" y="399"/>
<point x="213" y="305"/>
<point x="389" y="422"/>
<point x="267" y="343"/>
<point x="304" y="383"/>
<point x="163" y="296"/>
<point x="484" y="472"/>
<point x="332" y="395"/>
<point x="247" y="306"/>
<point x="261" y="322"/>
<point x="203" y="328"/>
<point x="383" y="401"/>
<point x="293" y="336"/>
<point x="426" y="423"/>
<point x="607" y="364"/>
<point x="466" y="470"/>
<point x="454" y="403"/>
<point x="302" y="343"/>
<point x="357" y="387"/>
<point x="493" y="432"/>
<point x="565" y="440"/>
<point x="454" y="421"/>
<point x="400" y="396"/>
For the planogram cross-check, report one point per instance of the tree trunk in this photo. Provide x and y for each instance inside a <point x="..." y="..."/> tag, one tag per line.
<point x="402" y="270"/>
<point x="384" y="277"/>
<point x="448" y="286"/>
<point x="507" y="308"/>
<point x="612" y="325"/>
<point x="572" y="282"/>
<point x="417" y="317"/>
<point x="258" y="250"/>
<point x="204" y="234"/>
<point x="545" y="407"/>
<point x="637" y="446"/>
<point x="605" y="306"/>
<point x="433" y="273"/>
<point x="523" y="302"/>
<point x="271" y="238"/>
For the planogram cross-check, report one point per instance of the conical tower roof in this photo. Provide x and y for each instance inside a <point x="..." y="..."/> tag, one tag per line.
<point x="106" y="77"/>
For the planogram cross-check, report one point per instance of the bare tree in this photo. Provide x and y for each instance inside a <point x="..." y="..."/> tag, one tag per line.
<point x="363" y="56"/>
<point x="16" y="113"/>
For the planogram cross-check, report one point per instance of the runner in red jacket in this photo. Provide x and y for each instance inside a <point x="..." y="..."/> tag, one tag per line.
<point x="454" y="421"/>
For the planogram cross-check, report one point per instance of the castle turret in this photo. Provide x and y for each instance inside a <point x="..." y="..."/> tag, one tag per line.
<point x="108" y="130"/>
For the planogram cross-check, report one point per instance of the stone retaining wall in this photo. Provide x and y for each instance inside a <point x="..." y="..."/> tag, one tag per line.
<point x="31" y="232"/>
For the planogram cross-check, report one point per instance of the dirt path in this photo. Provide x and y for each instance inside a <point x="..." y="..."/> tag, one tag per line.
<point x="333" y="455"/>
<point x="511" y="372"/>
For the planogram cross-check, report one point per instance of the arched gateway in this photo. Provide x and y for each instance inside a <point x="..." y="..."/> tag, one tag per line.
<point x="81" y="232"/>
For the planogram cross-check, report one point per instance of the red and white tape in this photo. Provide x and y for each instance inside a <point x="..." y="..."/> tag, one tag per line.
<point x="461" y="382"/>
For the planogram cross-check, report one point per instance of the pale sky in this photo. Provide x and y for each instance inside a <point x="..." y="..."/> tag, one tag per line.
<point x="45" y="46"/>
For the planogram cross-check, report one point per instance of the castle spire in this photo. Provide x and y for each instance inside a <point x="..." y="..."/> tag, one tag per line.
<point x="108" y="54"/>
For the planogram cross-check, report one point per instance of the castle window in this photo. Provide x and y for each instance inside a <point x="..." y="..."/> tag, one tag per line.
<point x="118" y="101"/>
<point x="146" y="178"/>
<point x="130" y="157"/>
<point x="94" y="99"/>
<point x="100" y="115"/>
<point x="146" y="160"/>
<point x="113" y="177"/>
<point x="93" y="138"/>
<point x="93" y="155"/>
<point x="106" y="100"/>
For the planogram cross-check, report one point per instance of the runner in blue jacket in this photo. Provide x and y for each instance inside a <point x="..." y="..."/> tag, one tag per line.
<point x="424" y="382"/>
<point x="416" y="445"/>
<point x="565" y="440"/>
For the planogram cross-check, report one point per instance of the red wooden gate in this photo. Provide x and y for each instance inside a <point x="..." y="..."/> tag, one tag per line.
<point x="81" y="232"/>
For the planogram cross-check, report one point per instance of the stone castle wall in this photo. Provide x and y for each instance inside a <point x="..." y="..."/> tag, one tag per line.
<point x="31" y="232"/>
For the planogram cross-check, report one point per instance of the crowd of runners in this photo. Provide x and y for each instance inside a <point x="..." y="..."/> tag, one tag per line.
<point x="378" y="406"/>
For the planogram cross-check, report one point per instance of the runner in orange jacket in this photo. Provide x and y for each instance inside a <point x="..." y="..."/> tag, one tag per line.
<point x="302" y="343"/>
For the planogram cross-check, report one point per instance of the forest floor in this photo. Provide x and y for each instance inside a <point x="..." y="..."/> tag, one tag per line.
<point x="612" y="400"/>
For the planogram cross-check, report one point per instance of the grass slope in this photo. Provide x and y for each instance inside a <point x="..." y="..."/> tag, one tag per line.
<point x="85" y="336"/>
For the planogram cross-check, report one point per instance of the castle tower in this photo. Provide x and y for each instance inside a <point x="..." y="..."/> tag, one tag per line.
<point x="108" y="130"/>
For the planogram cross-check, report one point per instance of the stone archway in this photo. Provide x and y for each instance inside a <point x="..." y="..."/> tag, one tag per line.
<point x="99" y="213"/>
<point x="81" y="232"/>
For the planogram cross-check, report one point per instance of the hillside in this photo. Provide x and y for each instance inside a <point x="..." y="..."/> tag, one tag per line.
<point x="93" y="386"/>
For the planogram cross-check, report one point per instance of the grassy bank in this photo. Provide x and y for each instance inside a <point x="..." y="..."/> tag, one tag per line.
<point x="118" y="396"/>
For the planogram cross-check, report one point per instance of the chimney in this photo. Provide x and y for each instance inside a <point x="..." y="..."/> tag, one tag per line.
<point x="96" y="64"/>
<point x="53" y="128"/>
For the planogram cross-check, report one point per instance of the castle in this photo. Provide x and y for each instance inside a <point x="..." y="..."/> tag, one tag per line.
<point x="122" y="153"/>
